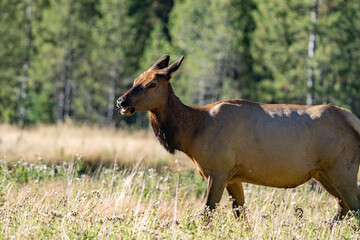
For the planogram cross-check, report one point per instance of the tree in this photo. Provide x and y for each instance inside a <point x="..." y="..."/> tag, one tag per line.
<point x="206" y="32"/>
<point x="61" y="67"/>
<point x="311" y="53"/>
<point x="15" y="31"/>
<point x="279" y="48"/>
<point x="63" y="59"/>
<point x="338" y="54"/>
<point x="113" y="37"/>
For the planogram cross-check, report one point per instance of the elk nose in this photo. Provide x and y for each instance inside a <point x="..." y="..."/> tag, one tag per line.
<point x="121" y="102"/>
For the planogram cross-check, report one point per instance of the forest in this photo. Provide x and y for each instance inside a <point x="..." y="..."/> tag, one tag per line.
<point x="64" y="60"/>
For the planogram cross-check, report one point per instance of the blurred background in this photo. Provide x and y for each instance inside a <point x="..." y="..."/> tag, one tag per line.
<point x="66" y="60"/>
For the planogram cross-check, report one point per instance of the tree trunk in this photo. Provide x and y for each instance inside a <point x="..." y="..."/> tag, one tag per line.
<point x="64" y="100"/>
<point x="310" y="100"/>
<point x="67" y="102"/>
<point x="111" y="95"/>
<point x="26" y="63"/>
<point x="64" y="93"/>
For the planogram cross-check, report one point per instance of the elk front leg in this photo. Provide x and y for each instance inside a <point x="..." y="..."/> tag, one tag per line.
<point x="215" y="189"/>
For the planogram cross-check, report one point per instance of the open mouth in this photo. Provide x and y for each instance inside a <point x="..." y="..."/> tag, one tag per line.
<point x="127" y="111"/>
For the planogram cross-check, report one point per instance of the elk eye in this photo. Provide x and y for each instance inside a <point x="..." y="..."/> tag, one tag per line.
<point x="151" y="85"/>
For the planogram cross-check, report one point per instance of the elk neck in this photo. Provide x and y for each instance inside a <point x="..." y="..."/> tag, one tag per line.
<point x="175" y="124"/>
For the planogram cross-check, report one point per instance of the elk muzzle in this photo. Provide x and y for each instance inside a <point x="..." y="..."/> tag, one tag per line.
<point x="125" y="108"/>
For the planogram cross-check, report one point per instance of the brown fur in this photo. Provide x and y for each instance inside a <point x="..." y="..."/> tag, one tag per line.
<point x="237" y="141"/>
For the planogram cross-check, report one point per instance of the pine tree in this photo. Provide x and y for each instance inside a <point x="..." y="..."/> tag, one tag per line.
<point x="15" y="48"/>
<point x="215" y="36"/>
<point x="280" y="46"/>
<point x="61" y="67"/>
<point x="338" y="54"/>
<point x="113" y="39"/>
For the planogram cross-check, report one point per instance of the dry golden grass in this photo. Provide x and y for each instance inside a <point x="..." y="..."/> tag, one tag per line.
<point x="150" y="204"/>
<point x="54" y="199"/>
<point x="96" y="145"/>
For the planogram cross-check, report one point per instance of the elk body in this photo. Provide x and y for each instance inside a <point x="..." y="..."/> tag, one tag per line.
<point x="236" y="141"/>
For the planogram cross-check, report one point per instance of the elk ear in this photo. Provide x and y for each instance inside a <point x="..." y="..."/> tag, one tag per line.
<point x="170" y="71"/>
<point x="162" y="63"/>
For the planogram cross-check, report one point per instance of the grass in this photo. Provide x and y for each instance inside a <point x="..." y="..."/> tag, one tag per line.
<point x="96" y="145"/>
<point x="43" y="199"/>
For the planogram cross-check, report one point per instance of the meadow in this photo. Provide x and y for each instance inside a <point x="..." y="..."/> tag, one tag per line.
<point x="81" y="182"/>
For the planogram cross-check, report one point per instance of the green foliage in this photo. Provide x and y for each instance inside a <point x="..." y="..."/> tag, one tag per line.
<point x="203" y="31"/>
<point x="279" y="47"/>
<point x="12" y="53"/>
<point x="338" y="56"/>
<point x="23" y="172"/>
<point x="72" y="59"/>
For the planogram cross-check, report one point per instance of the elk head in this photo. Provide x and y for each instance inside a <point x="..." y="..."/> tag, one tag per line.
<point x="150" y="90"/>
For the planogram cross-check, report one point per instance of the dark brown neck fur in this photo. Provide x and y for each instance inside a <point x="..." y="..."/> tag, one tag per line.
<point x="176" y="124"/>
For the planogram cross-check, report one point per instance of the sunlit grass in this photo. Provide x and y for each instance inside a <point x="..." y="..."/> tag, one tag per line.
<point x="39" y="202"/>
<point x="96" y="145"/>
<point x="45" y="199"/>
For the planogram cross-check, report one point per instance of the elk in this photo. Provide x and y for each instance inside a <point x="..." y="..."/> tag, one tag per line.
<point x="236" y="141"/>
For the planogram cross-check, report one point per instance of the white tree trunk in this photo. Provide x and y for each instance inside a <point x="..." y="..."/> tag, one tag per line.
<point x="26" y="63"/>
<point x="311" y="52"/>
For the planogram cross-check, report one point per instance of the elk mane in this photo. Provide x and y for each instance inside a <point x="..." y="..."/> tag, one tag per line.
<point x="165" y="130"/>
